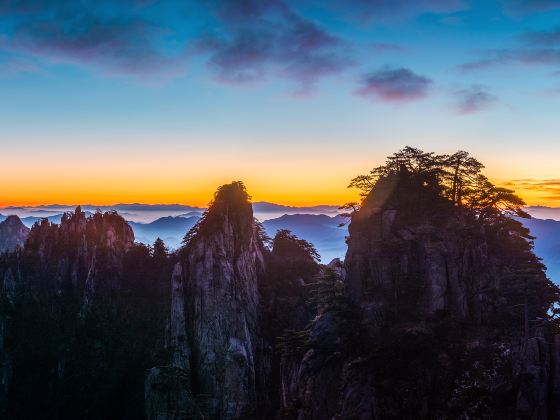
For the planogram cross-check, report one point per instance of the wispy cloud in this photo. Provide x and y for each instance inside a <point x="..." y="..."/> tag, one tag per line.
<point x="540" y="48"/>
<point x="473" y="99"/>
<point x="394" y="85"/>
<point x="521" y="7"/>
<point x="525" y="56"/>
<point x="17" y="66"/>
<point x="542" y="38"/>
<point x="367" y="10"/>
<point x="546" y="189"/>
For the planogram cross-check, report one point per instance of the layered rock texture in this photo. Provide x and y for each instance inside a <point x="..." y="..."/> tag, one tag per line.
<point x="13" y="233"/>
<point x="438" y="312"/>
<point x="215" y="285"/>
<point x="451" y="315"/>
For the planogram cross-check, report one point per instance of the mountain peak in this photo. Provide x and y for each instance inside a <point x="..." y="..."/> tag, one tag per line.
<point x="13" y="233"/>
<point x="231" y="207"/>
<point x="13" y="220"/>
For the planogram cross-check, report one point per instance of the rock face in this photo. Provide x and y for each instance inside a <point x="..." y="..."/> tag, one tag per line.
<point x="221" y="272"/>
<point x="13" y="233"/>
<point x="85" y="254"/>
<point x="417" y="263"/>
<point x="218" y="272"/>
<point x="445" y="324"/>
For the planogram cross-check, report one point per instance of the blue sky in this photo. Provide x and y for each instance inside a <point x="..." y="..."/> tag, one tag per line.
<point x="162" y="100"/>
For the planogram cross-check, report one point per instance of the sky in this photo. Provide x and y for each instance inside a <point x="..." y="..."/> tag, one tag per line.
<point x="162" y="101"/>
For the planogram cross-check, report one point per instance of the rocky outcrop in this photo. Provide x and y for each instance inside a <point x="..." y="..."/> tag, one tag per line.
<point x="222" y="265"/>
<point x="81" y="254"/>
<point x="13" y="233"/>
<point x="446" y="328"/>
<point x="218" y="272"/>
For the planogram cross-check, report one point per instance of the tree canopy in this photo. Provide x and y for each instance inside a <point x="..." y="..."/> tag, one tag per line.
<point x="287" y="244"/>
<point x="457" y="177"/>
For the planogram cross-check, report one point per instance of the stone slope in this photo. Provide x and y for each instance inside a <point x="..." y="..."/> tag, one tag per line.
<point x="13" y="233"/>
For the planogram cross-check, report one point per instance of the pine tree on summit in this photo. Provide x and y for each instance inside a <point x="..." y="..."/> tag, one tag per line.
<point x="457" y="178"/>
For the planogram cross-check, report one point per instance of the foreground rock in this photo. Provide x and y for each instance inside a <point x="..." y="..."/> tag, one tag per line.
<point x="447" y="313"/>
<point x="218" y="271"/>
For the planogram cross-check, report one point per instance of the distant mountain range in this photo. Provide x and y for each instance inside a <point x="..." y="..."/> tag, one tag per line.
<point x="321" y="230"/>
<point x="145" y="213"/>
<point x="543" y="212"/>
<point x="170" y="229"/>
<point x="265" y="207"/>
<point x="547" y="243"/>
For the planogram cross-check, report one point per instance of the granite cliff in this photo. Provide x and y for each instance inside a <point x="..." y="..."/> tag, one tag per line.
<point x="452" y="309"/>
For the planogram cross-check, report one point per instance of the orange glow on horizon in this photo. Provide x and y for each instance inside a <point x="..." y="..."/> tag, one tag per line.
<point x="534" y="192"/>
<point x="186" y="178"/>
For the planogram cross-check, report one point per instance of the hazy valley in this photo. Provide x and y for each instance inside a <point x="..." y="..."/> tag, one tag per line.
<point x="320" y="225"/>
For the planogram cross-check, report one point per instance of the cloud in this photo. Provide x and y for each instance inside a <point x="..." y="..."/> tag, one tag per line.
<point x="540" y="48"/>
<point x="111" y="36"/>
<point x="548" y="187"/>
<point x="16" y="66"/>
<point x="523" y="7"/>
<point x="535" y="184"/>
<point x="545" y="189"/>
<point x="473" y="99"/>
<point x="261" y="38"/>
<point x="394" y="85"/>
<point x="525" y="56"/>
<point x="542" y="38"/>
<point x="241" y="41"/>
<point x="390" y="9"/>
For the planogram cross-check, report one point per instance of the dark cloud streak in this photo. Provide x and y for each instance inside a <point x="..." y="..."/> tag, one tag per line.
<point x="117" y="38"/>
<point x="394" y="85"/>
<point x="370" y="10"/>
<point x="523" y="7"/>
<point x="259" y="38"/>
<point x="473" y="99"/>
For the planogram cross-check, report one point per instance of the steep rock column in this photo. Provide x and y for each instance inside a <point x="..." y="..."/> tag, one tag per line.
<point x="224" y="259"/>
<point x="177" y="326"/>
